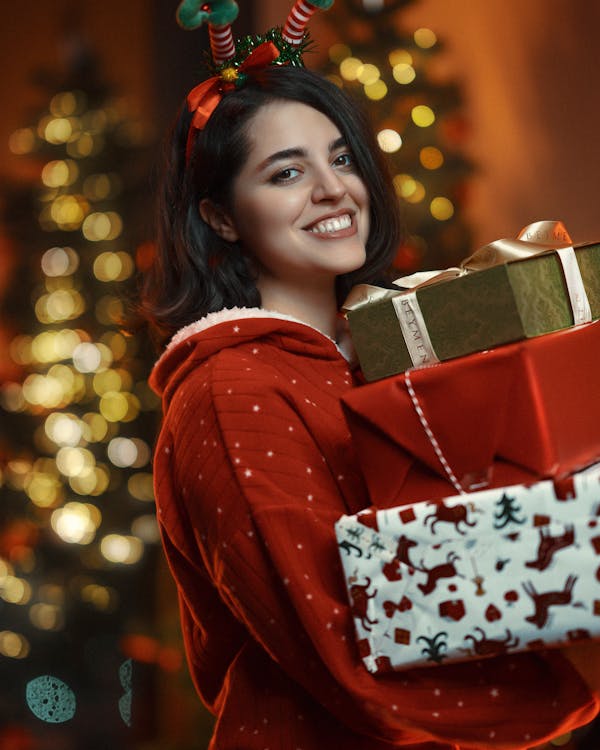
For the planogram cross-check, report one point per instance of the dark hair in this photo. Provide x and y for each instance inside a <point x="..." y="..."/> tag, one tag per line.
<point x="195" y="271"/>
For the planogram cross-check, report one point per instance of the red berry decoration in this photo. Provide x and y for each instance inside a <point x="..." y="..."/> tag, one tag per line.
<point x="511" y="596"/>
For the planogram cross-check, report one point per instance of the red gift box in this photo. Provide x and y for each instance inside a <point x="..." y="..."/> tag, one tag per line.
<point x="515" y="414"/>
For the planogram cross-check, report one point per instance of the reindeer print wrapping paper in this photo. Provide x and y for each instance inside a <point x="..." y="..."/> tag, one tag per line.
<point x="476" y="575"/>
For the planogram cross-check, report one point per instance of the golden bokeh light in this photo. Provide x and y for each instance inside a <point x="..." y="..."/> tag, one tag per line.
<point x="431" y="157"/>
<point x="368" y="74"/>
<point x="140" y="486"/>
<point x="376" y="91"/>
<point x="59" y="173"/>
<point x="349" y="68"/>
<point x="11" y="397"/>
<point x="72" y="462"/>
<point x="110" y="266"/>
<point x="47" y="616"/>
<point x="69" y="211"/>
<point x="116" y="342"/>
<point x="76" y="523"/>
<point x="44" y="489"/>
<point x="67" y="103"/>
<point x="60" y="261"/>
<point x="57" y="130"/>
<point x="92" y="482"/>
<point x="389" y="140"/>
<point x="100" y="226"/>
<point x="425" y="38"/>
<point x="88" y="357"/>
<point x="13" y="645"/>
<point x="408" y="188"/>
<point x="64" y="429"/>
<point x="22" y="141"/>
<point x="119" y="548"/>
<point x="14" y="590"/>
<point x="103" y="598"/>
<point x="400" y="57"/>
<point x="441" y="208"/>
<point x="422" y="115"/>
<point x="116" y="406"/>
<point x="404" y="73"/>
<point x="96" y="427"/>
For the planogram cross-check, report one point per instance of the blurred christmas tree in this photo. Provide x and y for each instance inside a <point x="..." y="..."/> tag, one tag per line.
<point x="418" y="119"/>
<point x="77" y="529"/>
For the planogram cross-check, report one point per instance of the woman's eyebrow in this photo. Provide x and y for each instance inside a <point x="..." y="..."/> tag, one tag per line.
<point x="296" y="152"/>
<point x="286" y="153"/>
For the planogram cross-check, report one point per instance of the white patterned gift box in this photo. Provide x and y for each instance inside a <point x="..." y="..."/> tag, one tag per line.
<point x="476" y="575"/>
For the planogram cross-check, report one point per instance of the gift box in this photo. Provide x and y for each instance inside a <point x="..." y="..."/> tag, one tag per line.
<point x="505" y="301"/>
<point x="515" y="414"/>
<point x="480" y="575"/>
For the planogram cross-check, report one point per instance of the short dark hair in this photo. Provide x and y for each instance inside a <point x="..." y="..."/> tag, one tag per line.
<point x="195" y="271"/>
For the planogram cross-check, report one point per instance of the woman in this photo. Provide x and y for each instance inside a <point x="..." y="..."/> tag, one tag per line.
<point x="280" y="205"/>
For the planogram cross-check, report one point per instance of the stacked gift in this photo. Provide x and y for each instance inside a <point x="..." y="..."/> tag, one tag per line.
<point x="507" y="291"/>
<point x="509" y="430"/>
<point x="515" y="414"/>
<point x="475" y="576"/>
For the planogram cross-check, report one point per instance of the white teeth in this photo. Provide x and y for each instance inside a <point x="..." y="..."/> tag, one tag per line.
<point x="332" y="225"/>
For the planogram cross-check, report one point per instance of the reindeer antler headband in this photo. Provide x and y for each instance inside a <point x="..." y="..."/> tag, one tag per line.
<point x="233" y="61"/>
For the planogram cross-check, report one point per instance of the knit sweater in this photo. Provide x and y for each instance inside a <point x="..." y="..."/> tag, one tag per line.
<point x="253" y="466"/>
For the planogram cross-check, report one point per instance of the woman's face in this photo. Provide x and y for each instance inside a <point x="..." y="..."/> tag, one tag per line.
<point x="299" y="207"/>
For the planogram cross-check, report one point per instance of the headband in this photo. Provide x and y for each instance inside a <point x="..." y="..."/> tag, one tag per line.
<point x="232" y="61"/>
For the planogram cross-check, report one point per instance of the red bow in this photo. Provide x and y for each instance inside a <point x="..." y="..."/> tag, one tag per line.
<point x="204" y="97"/>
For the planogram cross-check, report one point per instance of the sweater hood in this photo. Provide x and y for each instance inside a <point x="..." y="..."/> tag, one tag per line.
<point x="198" y="341"/>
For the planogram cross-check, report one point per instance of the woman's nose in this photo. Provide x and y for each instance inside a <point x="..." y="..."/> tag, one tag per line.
<point x="328" y="186"/>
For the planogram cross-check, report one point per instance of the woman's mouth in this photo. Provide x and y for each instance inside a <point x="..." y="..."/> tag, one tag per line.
<point x="334" y="227"/>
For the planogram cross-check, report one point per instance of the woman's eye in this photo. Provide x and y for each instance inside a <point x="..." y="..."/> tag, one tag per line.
<point x="285" y="175"/>
<point x="344" y="160"/>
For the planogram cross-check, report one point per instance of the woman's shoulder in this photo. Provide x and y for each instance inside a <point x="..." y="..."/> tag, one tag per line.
<point x="243" y="344"/>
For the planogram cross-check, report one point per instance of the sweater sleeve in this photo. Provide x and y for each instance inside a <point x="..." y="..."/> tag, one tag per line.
<point x="260" y="498"/>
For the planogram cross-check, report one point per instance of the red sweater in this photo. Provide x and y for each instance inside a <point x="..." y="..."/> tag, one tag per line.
<point x="253" y="466"/>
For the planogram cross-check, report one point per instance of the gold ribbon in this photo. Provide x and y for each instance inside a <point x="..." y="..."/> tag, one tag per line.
<point x="535" y="239"/>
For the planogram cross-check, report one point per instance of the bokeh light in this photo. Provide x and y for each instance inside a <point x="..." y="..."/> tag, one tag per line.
<point x="441" y="208"/>
<point x="422" y="115"/>
<point x="119" y="548"/>
<point x="431" y="157"/>
<point x="425" y="38"/>
<point x="350" y="67"/>
<point x="389" y="140"/>
<point x="76" y="523"/>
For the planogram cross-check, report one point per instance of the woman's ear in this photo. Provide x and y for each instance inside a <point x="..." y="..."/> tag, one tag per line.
<point x="218" y="219"/>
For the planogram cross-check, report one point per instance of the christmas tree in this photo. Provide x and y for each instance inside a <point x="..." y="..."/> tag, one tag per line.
<point x="78" y="536"/>
<point x="418" y="119"/>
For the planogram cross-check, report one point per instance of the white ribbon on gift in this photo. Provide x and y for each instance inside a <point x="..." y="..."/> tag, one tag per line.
<point x="580" y="304"/>
<point x="414" y="329"/>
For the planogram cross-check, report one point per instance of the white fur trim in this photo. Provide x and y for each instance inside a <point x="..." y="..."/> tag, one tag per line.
<point x="239" y="313"/>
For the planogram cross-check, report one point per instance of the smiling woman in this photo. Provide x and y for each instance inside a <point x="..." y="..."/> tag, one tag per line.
<point x="274" y="203"/>
<point x="277" y="158"/>
<point x="299" y="209"/>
